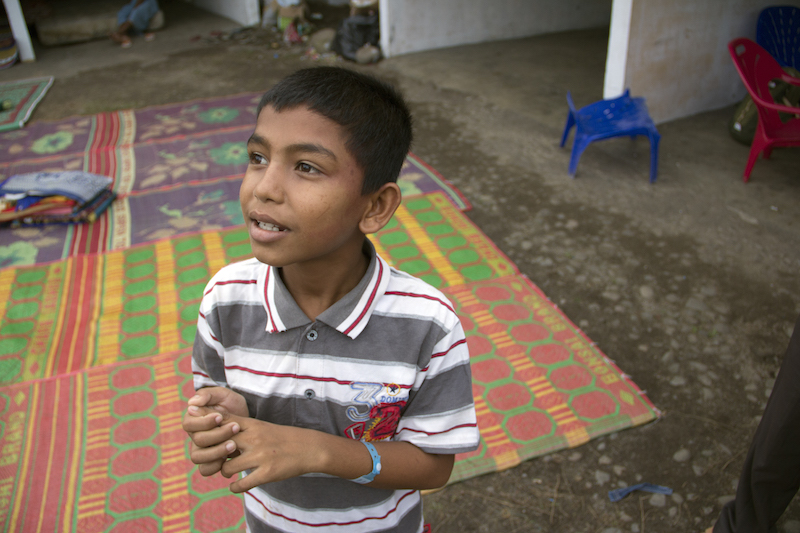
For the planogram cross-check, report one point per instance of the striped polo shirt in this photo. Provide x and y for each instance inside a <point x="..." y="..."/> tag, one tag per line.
<point x="388" y="361"/>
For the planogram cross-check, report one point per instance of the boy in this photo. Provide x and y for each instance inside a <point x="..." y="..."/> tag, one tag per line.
<point x="338" y="385"/>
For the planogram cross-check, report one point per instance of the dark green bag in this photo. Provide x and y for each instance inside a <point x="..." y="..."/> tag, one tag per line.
<point x="743" y="123"/>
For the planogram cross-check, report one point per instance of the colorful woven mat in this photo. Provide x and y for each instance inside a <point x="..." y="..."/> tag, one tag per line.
<point x="22" y="97"/>
<point x="98" y="438"/>
<point x="103" y="447"/>
<point x="97" y="323"/>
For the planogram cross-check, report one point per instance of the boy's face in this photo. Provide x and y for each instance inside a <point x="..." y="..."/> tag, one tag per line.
<point x="301" y="194"/>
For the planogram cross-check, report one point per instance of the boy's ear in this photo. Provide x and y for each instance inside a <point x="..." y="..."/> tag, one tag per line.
<point x="380" y="208"/>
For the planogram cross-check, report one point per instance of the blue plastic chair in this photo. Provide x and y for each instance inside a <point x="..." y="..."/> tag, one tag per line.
<point x="623" y="116"/>
<point x="777" y="33"/>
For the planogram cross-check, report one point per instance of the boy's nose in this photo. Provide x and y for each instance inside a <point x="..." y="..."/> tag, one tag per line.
<point x="269" y="185"/>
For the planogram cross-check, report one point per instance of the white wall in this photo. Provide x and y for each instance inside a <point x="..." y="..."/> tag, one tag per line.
<point x="414" y="25"/>
<point x="677" y="55"/>
<point x="245" y="12"/>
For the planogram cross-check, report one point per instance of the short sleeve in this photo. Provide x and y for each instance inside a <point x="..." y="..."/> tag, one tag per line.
<point x="440" y="415"/>
<point x="208" y="366"/>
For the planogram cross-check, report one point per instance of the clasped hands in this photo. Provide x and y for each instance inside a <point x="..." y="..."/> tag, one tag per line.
<point x="226" y="440"/>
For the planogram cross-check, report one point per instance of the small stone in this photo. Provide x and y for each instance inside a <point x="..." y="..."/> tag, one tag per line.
<point x="658" y="500"/>
<point x="602" y="477"/>
<point x="697" y="305"/>
<point x="705" y="380"/>
<point x="604" y="460"/>
<point x="700" y="367"/>
<point x="601" y="446"/>
<point x="635" y="528"/>
<point x="625" y="517"/>
<point x="619" y="470"/>
<point x="722" y="500"/>
<point x="673" y="512"/>
<point x="646" y="292"/>
<point x="678" y="381"/>
<point x="575" y="456"/>
<point x="612" y="530"/>
<point x="682" y="455"/>
<point x="677" y="498"/>
<point x="610" y="295"/>
<point x="708" y="510"/>
<point x="708" y="394"/>
<point x="571" y="224"/>
<point x="698" y="470"/>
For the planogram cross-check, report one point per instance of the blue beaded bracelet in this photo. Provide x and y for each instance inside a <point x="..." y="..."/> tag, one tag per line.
<point x="376" y="465"/>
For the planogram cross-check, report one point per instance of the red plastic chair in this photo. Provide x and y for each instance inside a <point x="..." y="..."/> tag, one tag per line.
<point x="758" y="68"/>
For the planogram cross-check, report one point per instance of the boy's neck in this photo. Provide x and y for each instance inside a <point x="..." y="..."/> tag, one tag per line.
<point x="316" y="287"/>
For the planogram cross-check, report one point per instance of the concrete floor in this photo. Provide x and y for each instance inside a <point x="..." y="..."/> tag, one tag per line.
<point x="691" y="284"/>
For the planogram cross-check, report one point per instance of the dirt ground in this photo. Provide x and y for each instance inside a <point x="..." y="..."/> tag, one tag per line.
<point x="691" y="284"/>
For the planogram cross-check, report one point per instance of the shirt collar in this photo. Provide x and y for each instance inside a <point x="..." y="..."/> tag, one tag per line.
<point x="348" y="316"/>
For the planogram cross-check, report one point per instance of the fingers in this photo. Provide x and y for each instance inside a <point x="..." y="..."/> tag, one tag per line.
<point x="211" y="458"/>
<point x="209" y="469"/>
<point x="243" y="485"/>
<point x="209" y="396"/>
<point x="196" y="421"/>
<point x="215" y="435"/>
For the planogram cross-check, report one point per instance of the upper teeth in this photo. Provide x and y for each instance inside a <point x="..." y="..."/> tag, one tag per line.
<point x="269" y="227"/>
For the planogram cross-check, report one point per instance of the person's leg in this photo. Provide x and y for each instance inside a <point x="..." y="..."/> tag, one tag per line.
<point x="123" y="25"/>
<point x="142" y="14"/>
<point x="125" y="12"/>
<point x="771" y="474"/>
<point x="121" y="35"/>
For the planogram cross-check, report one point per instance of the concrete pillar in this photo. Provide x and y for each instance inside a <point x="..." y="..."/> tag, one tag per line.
<point x="618" y="42"/>
<point x="20" y="30"/>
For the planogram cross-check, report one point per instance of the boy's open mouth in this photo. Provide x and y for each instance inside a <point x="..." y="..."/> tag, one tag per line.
<point x="269" y="227"/>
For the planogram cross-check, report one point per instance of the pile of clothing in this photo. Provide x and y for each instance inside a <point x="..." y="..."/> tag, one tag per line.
<point x="40" y="198"/>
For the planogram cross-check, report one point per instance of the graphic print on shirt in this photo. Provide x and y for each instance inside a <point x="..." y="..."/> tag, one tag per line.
<point x="376" y="412"/>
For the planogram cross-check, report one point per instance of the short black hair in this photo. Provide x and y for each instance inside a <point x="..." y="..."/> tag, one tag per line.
<point x="371" y="112"/>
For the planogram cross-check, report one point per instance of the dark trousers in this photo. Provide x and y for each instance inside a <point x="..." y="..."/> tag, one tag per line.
<point x="771" y="474"/>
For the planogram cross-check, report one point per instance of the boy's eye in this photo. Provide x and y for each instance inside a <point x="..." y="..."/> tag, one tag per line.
<point x="257" y="159"/>
<point x="305" y="167"/>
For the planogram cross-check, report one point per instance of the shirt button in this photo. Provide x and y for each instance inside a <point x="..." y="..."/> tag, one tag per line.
<point x="309" y="394"/>
<point x="312" y="335"/>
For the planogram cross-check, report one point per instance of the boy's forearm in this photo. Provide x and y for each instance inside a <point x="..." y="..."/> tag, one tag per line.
<point x="403" y="465"/>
